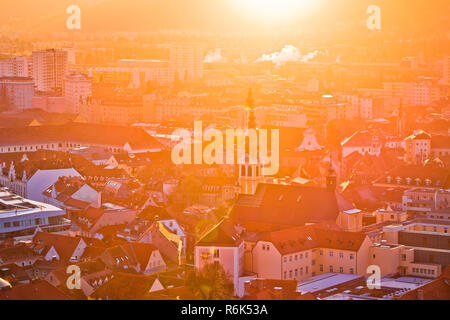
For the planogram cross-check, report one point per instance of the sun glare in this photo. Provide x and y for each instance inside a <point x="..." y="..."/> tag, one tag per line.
<point x="274" y="9"/>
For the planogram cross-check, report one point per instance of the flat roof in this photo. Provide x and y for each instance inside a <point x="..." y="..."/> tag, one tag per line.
<point x="324" y="281"/>
<point x="12" y="205"/>
<point x="403" y="282"/>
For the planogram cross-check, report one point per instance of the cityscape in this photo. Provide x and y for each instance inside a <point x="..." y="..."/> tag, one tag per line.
<point x="224" y="150"/>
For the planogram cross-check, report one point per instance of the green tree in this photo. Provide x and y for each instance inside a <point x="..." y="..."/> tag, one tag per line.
<point x="210" y="283"/>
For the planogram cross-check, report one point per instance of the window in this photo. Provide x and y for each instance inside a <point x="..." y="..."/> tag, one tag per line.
<point x="306" y="270"/>
<point x="331" y="268"/>
<point x="290" y="274"/>
<point x="290" y="259"/>
<point x="403" y="257"/>
<point x="216" y="253"/>
<point x="321" y="267"/>
<point x="285" y="275"/>
<point x="321" y="252"/>
<point x="341" y="270"/>
<point x="296" y="272"/>
<point x="351" y="271"/>
<point x="285" y="259"/>
<point x="296" y="257"/>
<point x="341" y="255"/>
<point x="301" y="271"/>
<point x="306" y="255"/>
<point x="331" y="253"/>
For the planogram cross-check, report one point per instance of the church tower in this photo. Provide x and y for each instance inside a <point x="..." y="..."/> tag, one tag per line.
<point x="250" y="173"/>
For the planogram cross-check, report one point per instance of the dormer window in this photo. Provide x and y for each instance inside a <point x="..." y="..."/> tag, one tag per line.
<point x="428" y="182"/>
<point x="408" y="181"/>
<point x="418" y="181"/>
<point x="398" y="180"/>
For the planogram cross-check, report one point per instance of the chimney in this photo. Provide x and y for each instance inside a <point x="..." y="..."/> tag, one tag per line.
<point x="278" y="293"/>
<point x="420" y="294"/>
<point x="247" y="287"/>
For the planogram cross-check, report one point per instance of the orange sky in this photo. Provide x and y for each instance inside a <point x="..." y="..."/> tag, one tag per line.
<point x="210" y="15"/>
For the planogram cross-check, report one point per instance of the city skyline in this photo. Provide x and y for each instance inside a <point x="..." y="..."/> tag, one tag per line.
<point x="242" y="151"/>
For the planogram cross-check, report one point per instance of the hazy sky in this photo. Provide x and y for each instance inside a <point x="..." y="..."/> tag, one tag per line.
<point x="213" y="15"/>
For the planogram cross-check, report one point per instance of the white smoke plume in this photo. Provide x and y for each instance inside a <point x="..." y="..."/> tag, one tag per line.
<point x="289" y="53"/>
<point x="214" y="56"/>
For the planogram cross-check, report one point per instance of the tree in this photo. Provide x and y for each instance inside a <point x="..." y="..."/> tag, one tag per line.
<point x="210" y="283"/>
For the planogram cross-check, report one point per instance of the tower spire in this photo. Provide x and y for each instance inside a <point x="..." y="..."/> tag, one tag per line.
<point x="250" y="172"/>
<point x="250" y="121"/>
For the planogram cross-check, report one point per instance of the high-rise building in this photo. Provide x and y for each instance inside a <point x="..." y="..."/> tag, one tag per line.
<point x="77" y="87"/>
<point x="16" y="93"/>
<point x="49" y="69"/>
<point x="15" y="67"/>
<point x="187" y="61"/>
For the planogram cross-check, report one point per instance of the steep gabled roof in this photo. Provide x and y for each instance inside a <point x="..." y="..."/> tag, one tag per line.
<point x="124" y="286"/>
<point x="223" y="234"/>
<point x="439" y="177"/>
<point x="81" y="133"/>
<point x="38" y="290"/>
<point x="292" y="205"/>
<point x="322" y="235"/>
<point x="64" y="245"/>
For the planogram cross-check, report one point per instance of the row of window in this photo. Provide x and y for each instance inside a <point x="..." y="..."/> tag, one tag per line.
<point x="46" y="146"/>
<point x="26" y="148"/>
<point x="300" y="256"/>
<point x="423" y="271"/>
<point x="341" y="254"/>
<point x="295" y="257"/>
<point x="24" y="223"/>
<point x="296" y="273"/>
<point x="341" y="269"/>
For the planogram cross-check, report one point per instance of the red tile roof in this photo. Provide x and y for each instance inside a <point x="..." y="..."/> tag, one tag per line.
<point x="440" y="177"/>
<point x="440" y="142"/>
<point x="292" y="205"/>
<point x="65" y="246"/>
<point x="298" y="239"/>
<point x="80" y="133"/>
<point x="222" y="234"/>
<point x="38" y="290"/>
